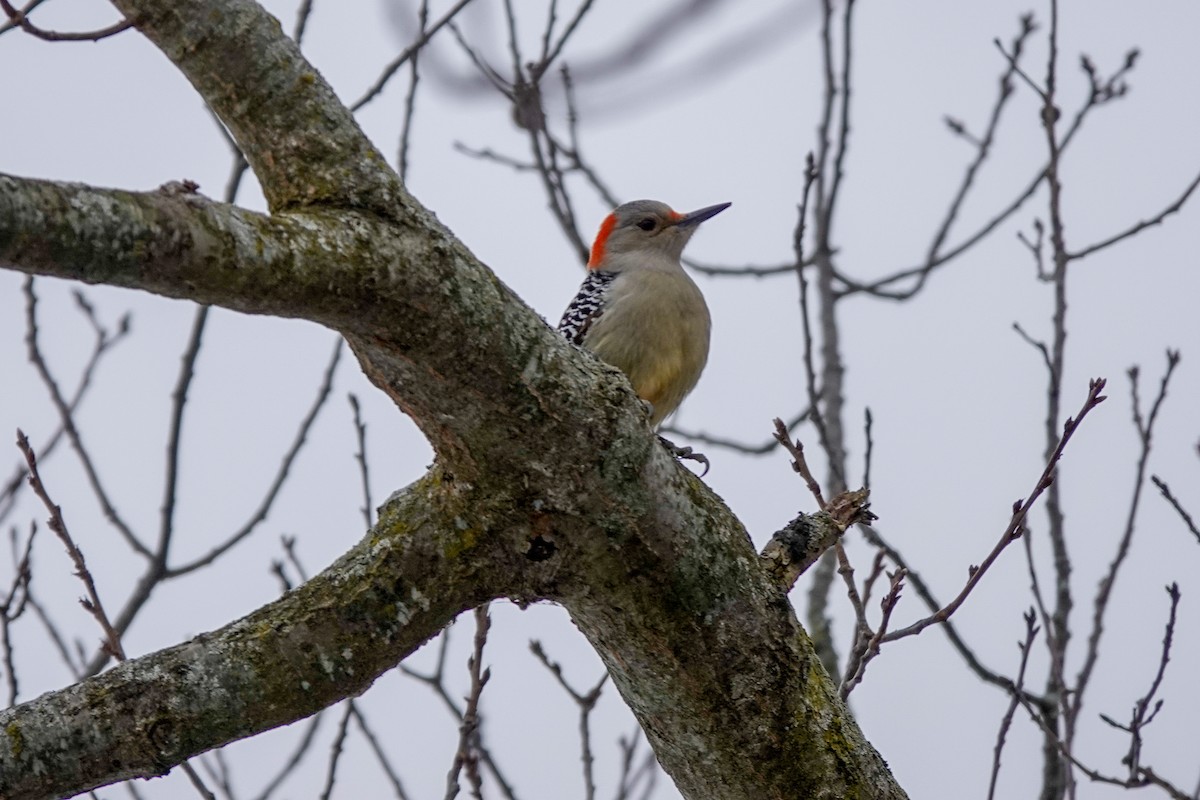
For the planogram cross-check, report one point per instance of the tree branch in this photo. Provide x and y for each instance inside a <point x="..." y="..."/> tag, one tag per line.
<point x="302" y="143"/>
<point x="548" y="485"/>
<point x="325" y="641"/>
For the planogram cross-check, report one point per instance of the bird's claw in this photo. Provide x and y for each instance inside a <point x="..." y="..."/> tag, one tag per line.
<point x="685" y="453"/>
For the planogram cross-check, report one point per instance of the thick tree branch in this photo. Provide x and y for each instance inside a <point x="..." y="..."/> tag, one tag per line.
<point x="325" y="641"/>
<point x="302" y="143"/>
<point x="549" y="484"/>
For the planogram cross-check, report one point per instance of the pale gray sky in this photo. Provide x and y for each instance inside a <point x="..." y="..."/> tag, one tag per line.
<point x="957" y="397"/>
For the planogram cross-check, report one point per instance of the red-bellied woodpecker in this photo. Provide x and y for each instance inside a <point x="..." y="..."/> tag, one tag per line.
<point x="638" y="310"/>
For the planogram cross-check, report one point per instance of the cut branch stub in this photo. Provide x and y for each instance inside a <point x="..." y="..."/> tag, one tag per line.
<point x="799" y="544"/>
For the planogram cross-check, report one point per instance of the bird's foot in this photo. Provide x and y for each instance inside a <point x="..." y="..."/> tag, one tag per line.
<point x="685" y="453"/>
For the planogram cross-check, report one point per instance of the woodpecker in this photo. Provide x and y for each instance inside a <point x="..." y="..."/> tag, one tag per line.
<point x="639" y="311"/>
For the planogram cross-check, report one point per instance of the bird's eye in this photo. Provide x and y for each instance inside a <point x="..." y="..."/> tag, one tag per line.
<point x="646" y="224"/>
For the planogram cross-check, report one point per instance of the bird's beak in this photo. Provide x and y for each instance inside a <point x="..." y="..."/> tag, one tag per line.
<point x="696" y="217"/>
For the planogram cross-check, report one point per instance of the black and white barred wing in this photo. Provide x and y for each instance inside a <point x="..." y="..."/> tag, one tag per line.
<point x="587" y="306"/>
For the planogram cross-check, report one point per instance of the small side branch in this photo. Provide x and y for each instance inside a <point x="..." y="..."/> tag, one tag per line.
<point x="1147" y="708"/>
<point x="92" y="603"/>
<point x="586" y="701"/>
<point x="1179" y="509"/>
<point x="1016" y="525"/>
<point x="1025" y="646"/>
<point x="467" y="756"/>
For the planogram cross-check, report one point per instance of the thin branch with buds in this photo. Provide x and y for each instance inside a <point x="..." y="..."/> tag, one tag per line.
<point x="467" y="755"/>
<point x="1143" y="713"/>
<point x="1165" y="490"/>
<point x="1016" y="525"/>
<point x="1145" y="429"/>
<point x="1140" y="775"/>
<point x="92" y="603"/>
<point x="866" y="646"/>
<point x="436" y="680"/>
<point x="1025" y="646"/>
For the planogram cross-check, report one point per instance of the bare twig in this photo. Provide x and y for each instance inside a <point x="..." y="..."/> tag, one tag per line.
<point x="104" y="341"/>
<point x="1057" y="777"/>
<point x="12" y="24"/>
<point x="467" y="755"/>
<point x="1057" y="653"/>
<point x="799" y="462"/>
<point x="1179" y="509"/>
<point x="335" y="751"/>
<point x="1016" y="525"/>
<point x="571" y="152"/>
<point x="877" y="568"/>
<point x="523" y="90"/>
<point x="197" y="783"/>
<point x="1142" y="714"/>
<point x="1031" y="631"/>
<point x="289" y="549"/>
<point x="1036" y="344"/>
<point x="1011" y="58"/>
<point x="867" y="642"/>
<point x="868" y="423"/>
<point x="379" y="751"/>
<point x="1145" y="429"/>
<point x="399" y="61"/>
<point x="1146" y="776"/>
<point x="880" y="286"/>
<point x="410" y="97"/>
<point x="158" y="569"/>
<point x="748" y="270"/>
<point x="13" y="605"/>
<point x="586" y="701"/>
<point x="20" y="17"/>
<point x="92" y="603"/>
<point x="281" y="475"/>
<point x="302" y="15"/>
<point x="360" y="434"/>
<point x="294" y="759"/>
<point x="631" y="776"/>
<point x="73" y="663"/>
<point x="843" y="135"/>
<point x="218" y="770"/>
<point x="550" y="54"/>
<point x="66" y="417"/>
<point x="936" y="256"/>
<point x="876" y="539"/>
<point x="1137" y="228"/>
<point x="1036" y="248"/>
<point x="731" y="444"/>
<point x="179" y="399"/>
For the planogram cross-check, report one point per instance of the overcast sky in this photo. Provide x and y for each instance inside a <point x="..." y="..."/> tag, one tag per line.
<point x="724" y="110"/>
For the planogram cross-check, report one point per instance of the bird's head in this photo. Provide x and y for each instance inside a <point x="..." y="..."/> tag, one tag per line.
<point x="645" y="228"/>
